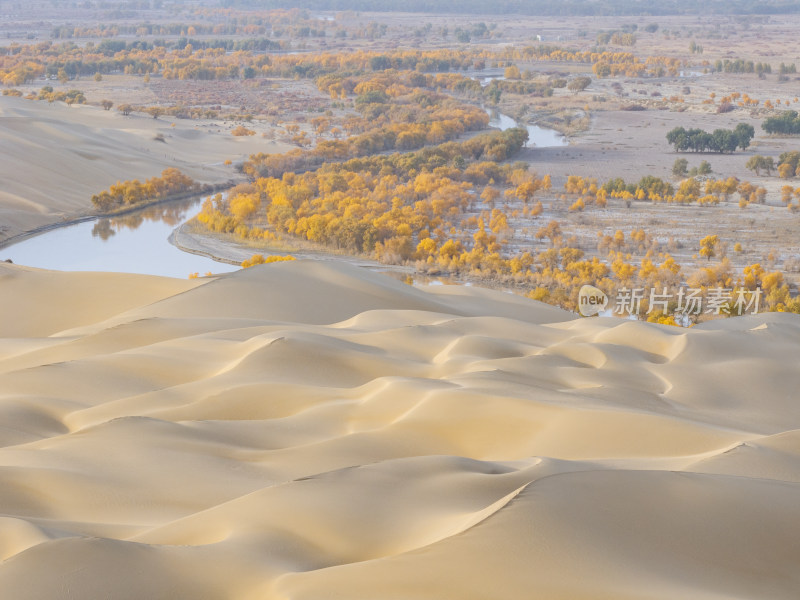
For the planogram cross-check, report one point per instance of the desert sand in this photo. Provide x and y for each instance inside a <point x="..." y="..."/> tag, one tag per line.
<point x="55" y="157"/>
<point x="314" y="430"/>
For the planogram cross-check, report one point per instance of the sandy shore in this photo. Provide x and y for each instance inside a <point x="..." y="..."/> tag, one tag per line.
<point x="227" y="249"/>
<point x="307" y="430"/>
<point x="56" y="157"/>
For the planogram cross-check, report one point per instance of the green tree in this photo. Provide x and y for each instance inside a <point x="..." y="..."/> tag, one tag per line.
<point x="578" y="84"/>
<point x="787" y="123"/>
<point x="744" y="133"/>
<point x="757" y="163"/>
<point x="680" y="167"/>
<point x="494" y="94"/>
<point x="721" y="140"/>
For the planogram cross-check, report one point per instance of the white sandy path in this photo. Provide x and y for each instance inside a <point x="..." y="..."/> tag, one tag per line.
<point x="307" y="430"/>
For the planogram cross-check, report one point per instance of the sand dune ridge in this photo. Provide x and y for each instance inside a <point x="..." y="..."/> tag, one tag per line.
<point x="306" y="430"/>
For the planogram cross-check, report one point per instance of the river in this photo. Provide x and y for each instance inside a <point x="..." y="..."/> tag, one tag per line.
<point x="140" y="242"/>
<point x="134" y="243"/>
<point x="538" y="137"/>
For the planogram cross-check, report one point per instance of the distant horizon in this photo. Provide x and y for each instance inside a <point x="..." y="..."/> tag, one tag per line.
<point x="543" y="8"/>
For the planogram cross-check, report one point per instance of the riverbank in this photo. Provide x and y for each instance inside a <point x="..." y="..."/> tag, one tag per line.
<point x="128" y="210"/>
<point x="223" y="248"/>
<point x="226" y="248"/>
<point x="55" y="157"/>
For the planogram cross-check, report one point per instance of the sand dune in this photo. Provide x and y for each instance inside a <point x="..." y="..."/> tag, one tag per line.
<point x="312" y="430"/>
<point x="56" y="157"/>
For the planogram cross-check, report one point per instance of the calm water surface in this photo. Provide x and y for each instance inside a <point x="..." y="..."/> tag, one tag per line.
<point x="538" y="137"/>
<point x="134" y="243"/>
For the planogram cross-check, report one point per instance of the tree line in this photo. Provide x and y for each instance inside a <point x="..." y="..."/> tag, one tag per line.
<point x="720" y="140"/>
<point x="740" y="65"/>
<point x="539" y="7"/>
<point x="397" y="115"/>
<point x="22" y="63"/>
<point x="787" y="123"/>
<point x="133" y="192"/>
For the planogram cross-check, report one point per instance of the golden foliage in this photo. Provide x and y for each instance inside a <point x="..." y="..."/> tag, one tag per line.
<point x="259" y="259"/>
<point x="130" y="193"/>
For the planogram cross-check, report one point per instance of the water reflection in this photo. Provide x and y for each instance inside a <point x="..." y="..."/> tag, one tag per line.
<point x="417" y="278"/>
<point x="137" y="242"/>
<point x="132" y="221"/>
<point x="103" y="229"/>
<point x="172" y="214"/>
<point x="486" y="79"/>
<point x="538" y="137"/>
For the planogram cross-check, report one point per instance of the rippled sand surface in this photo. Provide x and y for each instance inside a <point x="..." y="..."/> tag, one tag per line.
<point x="306" y="430"/>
